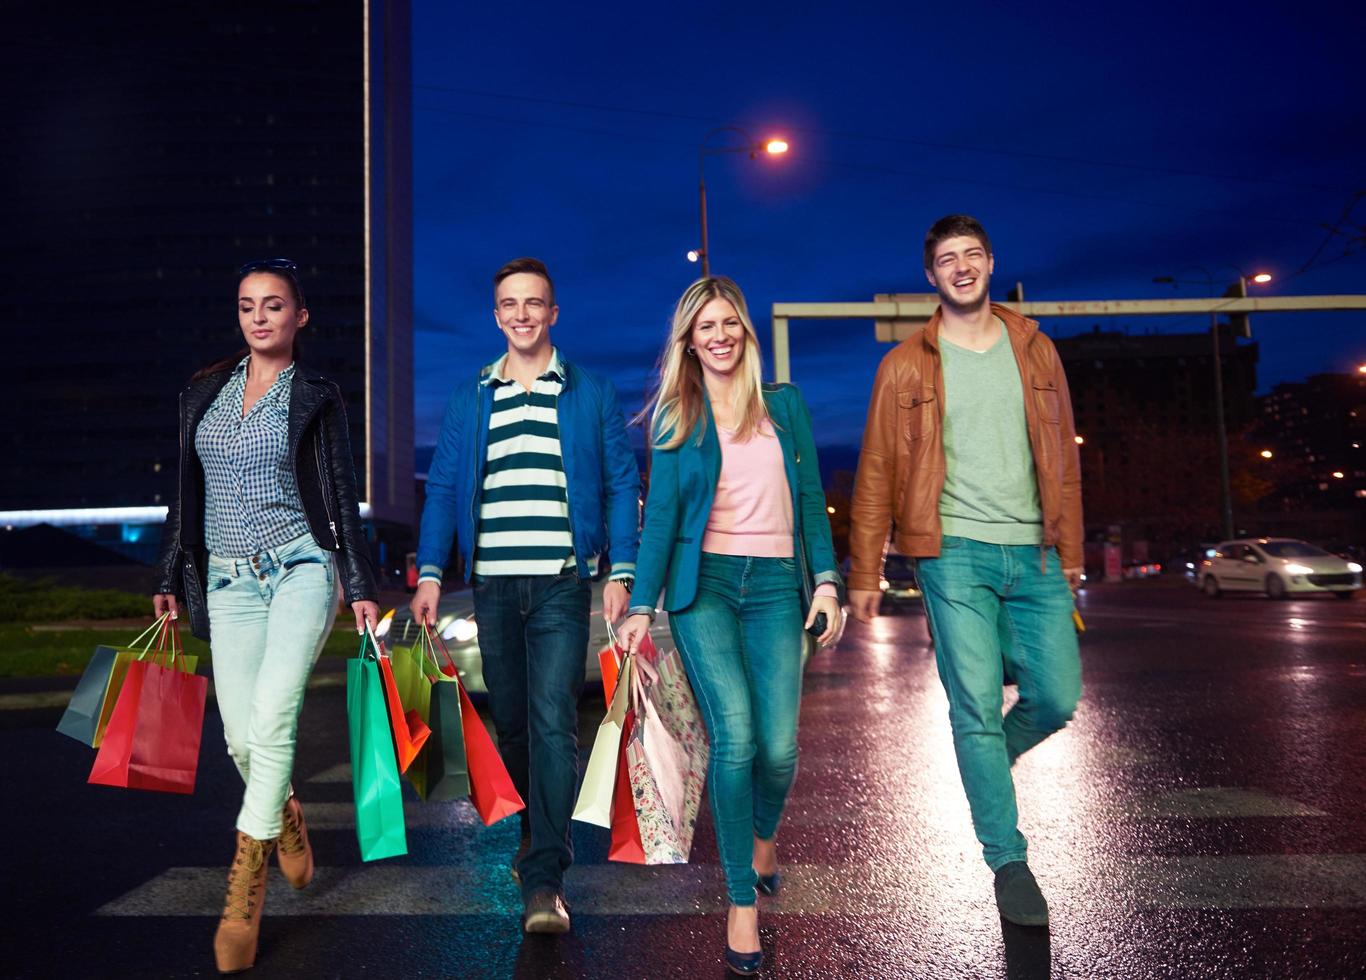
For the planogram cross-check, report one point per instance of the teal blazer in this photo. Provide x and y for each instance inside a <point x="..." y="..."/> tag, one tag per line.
<point x="683" y="485"/>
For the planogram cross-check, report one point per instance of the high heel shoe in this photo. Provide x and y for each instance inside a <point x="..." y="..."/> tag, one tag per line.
<point x="767" y="884"/>
<point x="745" y="964"/>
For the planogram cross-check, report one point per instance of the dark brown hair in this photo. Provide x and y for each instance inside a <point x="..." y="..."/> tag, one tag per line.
<point x="954" y="226"/>
<point x="534" y="266"/>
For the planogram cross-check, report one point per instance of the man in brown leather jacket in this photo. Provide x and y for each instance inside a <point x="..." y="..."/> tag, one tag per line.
<point x="970" y="460"/>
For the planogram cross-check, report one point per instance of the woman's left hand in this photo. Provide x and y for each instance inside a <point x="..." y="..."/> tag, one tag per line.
<point x="367" y="614"/>
<point x="831" y="607"/>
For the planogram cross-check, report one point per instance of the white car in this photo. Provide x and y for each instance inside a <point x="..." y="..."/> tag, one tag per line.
<point x="456" y="620"/>
<point x="1278" y="567"/>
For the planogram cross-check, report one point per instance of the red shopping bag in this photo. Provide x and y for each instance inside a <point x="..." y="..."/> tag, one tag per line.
<point x="152" y="741"/>
<point x="410" y="731"/>
<point x="491" y="789"/>
<point x="626" y="844"/>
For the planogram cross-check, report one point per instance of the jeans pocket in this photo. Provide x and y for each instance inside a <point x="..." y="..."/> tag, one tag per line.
<point x="787" y="564"/>
<point x="217" y="582"/>
<point x="949" y="542"/>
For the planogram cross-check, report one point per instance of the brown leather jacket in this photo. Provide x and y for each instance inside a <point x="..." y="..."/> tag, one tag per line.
<point x="901" y="467"/>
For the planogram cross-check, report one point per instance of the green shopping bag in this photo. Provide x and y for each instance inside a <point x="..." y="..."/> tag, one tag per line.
<point x="374" y="768"/>
<point x="440" y="771"/>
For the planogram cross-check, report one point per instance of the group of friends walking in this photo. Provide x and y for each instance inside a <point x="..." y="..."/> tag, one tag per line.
<point x="968" y="463"/>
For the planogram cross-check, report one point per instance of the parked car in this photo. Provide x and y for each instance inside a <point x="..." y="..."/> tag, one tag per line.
<point x="1278" y="567"/>
<point x="455" y="619"/>
<point x="900" y="587"/>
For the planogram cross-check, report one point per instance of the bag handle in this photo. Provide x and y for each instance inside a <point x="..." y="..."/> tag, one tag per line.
<point x="154" y="630"/>
<point x="437" y="642"/>
<point x="369" y="645"/>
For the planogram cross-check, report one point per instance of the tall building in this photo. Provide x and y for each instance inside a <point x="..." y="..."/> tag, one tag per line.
<point x="154" y="147"/>
<point x="1317" y="429"/>
<point x="1144" y="409"/>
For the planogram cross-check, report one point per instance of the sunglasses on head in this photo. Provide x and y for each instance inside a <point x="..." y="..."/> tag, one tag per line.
<point x="268" y="265"/>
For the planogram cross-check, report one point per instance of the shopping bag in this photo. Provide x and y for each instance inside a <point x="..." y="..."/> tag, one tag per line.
<point x="92" y="703"/>
<point x="491" y="788"/>
<point x="81" y="718"/>
<point x="611" y="668"/>
<point x="409" y="730"/>
<point x="380" y="828"/>
<point x="594" y="804"/>
<point x="444" y="769"/>
<point x="666" y="756"/>
<point x="439" y="772"/>
<point x="152" y="740"/>
<point x="626" y="845"/>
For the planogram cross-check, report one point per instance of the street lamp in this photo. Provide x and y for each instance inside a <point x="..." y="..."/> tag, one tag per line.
<point x="774" y="146"/>
<point x="1225" y="490"/>
<point x="1266" y="454"/>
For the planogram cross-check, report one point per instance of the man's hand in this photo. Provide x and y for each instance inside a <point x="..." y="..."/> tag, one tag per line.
<point x="1073" y="576"/>
<point x="424" y="602"/>
<point x="615" y="599"/>
<point x="863" y="604"/>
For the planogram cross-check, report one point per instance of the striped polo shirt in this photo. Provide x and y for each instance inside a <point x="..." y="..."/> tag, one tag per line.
<point x="524" y="507"/>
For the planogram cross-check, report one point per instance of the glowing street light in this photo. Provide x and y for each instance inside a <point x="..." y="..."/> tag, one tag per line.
<point x="1338" y="474"/>
<point x="773" y="146"/>
<point x="1079" y="440"/>
<point x="1361" y="369"/>
<point x="1262" y="277"/>
<point x="1266" y="454"/>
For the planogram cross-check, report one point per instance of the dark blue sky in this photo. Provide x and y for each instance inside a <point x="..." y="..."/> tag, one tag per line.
<point x="1100" y="148"/>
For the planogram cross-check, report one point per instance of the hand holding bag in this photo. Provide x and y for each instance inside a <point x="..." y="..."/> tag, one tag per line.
<point x="81" y="720"/>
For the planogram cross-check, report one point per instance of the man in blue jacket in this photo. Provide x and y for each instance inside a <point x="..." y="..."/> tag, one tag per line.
<point x="535" y="478"/>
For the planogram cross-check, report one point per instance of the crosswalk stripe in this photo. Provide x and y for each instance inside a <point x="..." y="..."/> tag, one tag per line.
<point x="1201" y="882"/>
<point x="1219" y="802"/>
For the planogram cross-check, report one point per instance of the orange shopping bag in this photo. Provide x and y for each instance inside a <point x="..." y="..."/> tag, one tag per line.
<point x="410" y="731"/>
<point x="626" y="844"/>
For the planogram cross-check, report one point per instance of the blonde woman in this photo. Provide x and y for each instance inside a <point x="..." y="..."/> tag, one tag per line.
<point x="734" y="519"/>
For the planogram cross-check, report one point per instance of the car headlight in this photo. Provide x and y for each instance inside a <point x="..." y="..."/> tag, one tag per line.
<point x="461" y="630"/>
<point x="1354" y="568"/>
<point x="884" y="585"/>
<point x="1295" y="569"/>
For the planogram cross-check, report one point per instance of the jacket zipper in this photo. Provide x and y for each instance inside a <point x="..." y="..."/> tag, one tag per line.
<point x="322" y="486"/>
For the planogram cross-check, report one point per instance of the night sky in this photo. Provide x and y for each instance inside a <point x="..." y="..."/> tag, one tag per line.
<point x="1099" y="147"/>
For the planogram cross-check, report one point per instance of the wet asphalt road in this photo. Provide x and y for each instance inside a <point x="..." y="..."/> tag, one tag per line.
<point x="1202" y="817"/>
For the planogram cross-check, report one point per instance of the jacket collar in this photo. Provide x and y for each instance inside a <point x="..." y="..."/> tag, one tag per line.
<point x="492" y="372"/>
<point x="1020" y="328"/>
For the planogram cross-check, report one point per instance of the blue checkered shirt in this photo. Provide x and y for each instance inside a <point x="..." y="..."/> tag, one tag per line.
<point x="251" y="499"/>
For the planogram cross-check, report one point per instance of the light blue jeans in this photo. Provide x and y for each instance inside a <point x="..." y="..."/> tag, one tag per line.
<point x="991" y="605"/>
<point x="269" y="616"/>
<point x="741" y="644"/>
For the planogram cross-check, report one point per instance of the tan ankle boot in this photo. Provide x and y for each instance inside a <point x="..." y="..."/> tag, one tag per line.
<point x="234" y="945"/>
<point x="295" y="854"/>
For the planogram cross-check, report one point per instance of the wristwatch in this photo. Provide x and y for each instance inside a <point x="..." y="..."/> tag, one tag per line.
<point x="628" y="582"/>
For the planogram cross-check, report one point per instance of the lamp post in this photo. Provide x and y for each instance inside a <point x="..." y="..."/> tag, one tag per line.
<point x="1225" y="489"/>
<point x="773" y="146"/>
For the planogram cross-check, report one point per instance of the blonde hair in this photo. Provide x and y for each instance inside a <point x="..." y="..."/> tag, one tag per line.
<point x="678" y="400"/>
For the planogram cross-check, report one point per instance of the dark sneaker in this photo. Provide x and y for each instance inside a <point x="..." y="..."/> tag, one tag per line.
<point x="545" y="912"/>
<point x="1018" y="897"/>
<point x="521" y="853"/>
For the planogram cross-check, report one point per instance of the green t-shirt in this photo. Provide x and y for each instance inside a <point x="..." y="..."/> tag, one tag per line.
<point x="990" y="491"/>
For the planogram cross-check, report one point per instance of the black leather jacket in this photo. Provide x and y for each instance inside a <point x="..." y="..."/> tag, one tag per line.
<point x="320" y="452"/>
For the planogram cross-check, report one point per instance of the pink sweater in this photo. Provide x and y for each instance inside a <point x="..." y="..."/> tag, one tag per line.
<point x="751" y="513"/>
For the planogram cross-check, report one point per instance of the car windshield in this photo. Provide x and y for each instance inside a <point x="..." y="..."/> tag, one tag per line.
<point x="898" y="566"/>
<point x="1292" y="549"/>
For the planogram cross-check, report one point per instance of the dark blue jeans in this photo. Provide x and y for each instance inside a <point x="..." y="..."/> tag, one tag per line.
<point x="533" y="637"/>
<point x="741" y="644"/>
<point x="990" y="605"/>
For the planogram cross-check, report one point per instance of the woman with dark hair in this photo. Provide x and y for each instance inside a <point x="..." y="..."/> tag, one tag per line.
<point x="265" y="532"/>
